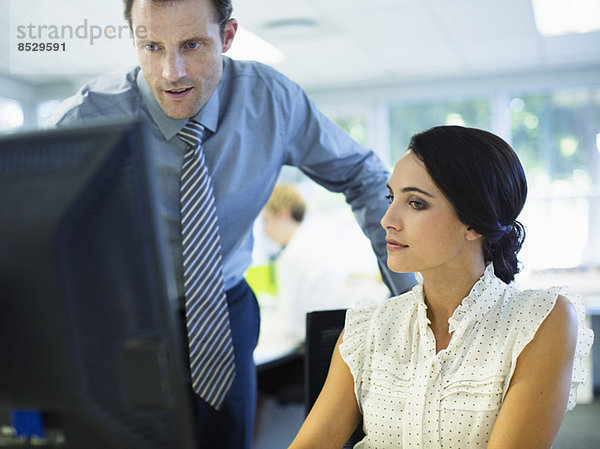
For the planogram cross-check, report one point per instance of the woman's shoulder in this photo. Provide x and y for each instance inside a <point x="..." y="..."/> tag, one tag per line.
<point x="367" y="316"/>
<point x="365" y="321"/>
<point x="386" y="309"/>
<point x="552" y="315"/>
<point x="534" y="302"/>
<point x="364" y="324"/>
<point x="542" y="313"/>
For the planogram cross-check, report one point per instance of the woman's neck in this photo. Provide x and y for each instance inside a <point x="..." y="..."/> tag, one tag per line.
<point x="445" y="289"/>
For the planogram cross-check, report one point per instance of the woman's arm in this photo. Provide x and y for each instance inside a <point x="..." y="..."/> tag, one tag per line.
<point x="535" y="402"/>
<point x="335" y="414"/>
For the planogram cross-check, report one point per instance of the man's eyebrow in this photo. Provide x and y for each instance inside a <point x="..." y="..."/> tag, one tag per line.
<point x="412" y="189"/>
<point x="193" y="39"/>
<point x="145" y="40"/>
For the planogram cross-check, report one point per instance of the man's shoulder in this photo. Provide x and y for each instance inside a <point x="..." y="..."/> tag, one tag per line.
<point x="258" y="73"/>
<point x="112" y="95"/>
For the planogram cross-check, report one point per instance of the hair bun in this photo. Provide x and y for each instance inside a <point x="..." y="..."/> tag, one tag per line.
<point x="503" y="252"/>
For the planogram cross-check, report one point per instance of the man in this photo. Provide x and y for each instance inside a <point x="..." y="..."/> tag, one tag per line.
<point x="250" y="120"/>
<point x="283" y="214"/>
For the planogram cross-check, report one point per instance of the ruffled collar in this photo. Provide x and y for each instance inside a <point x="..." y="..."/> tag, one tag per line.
<point x="483" y="295"/>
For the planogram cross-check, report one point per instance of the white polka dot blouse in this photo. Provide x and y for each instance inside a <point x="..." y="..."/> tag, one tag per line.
<point x="411" y="397"/>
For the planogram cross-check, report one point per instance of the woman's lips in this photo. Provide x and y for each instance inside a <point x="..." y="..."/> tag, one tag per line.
<point x="393" y="245"/>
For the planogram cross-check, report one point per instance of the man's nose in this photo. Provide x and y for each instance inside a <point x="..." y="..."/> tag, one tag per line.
<point x="173" y="68"/>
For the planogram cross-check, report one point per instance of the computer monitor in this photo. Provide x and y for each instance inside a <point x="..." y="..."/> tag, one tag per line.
<point x="90" y="331"/>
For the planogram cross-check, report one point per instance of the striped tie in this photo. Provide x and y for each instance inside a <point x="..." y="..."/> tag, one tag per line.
<point x="210" y="345"/>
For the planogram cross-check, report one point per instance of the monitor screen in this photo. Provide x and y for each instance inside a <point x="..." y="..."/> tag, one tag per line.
<point x="90" y="332"/>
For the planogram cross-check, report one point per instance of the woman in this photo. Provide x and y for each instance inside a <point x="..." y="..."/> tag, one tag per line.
<point x="464" y="359"/>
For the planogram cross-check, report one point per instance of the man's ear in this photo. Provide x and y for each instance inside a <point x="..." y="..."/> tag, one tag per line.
<point x="229" y="33"/>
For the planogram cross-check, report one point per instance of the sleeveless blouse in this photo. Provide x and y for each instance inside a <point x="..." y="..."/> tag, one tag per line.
<point x="411" y="397"/>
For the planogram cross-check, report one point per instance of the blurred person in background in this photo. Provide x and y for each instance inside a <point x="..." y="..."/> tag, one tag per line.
<point x="306" y="267"/>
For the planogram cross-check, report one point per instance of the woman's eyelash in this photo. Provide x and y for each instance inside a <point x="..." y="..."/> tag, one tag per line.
<point x="418" y="205"/>
<point x="415" y="204"/>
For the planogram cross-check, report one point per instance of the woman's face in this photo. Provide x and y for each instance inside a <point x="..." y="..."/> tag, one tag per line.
<point x="423" y="232"/>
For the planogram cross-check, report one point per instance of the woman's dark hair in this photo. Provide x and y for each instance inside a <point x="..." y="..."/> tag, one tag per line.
<point x="223" y="10"/>
<point x="482" y="177"/>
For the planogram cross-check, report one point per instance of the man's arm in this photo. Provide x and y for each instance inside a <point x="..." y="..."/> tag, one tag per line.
<point x="329" y="156"/>
<point x="109" y="98"/>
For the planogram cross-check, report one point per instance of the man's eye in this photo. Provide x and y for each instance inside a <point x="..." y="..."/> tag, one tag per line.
<point x="193" y="45"/>
<point x="150" y="47"/>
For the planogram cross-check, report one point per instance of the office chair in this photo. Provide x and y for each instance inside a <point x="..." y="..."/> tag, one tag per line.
<point x="323" y="328"/>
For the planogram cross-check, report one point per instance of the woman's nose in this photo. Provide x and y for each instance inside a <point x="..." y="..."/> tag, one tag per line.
<point x="391" y="218"/>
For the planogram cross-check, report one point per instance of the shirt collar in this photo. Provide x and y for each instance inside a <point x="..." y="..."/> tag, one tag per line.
<point x="486" y="292"/>
<point x="208" y="116"/>
<point x="483" y="295"/>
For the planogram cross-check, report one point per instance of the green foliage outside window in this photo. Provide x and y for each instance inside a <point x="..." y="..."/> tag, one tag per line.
<point x="555" y="135"/>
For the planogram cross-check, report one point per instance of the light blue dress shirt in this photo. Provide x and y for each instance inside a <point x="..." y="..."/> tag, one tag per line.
<point x="259" y="120"/>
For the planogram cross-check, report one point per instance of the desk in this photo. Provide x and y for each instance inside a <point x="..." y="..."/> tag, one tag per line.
<point x="273" y="352"/>
<point x="585" y="393"/>
<point x="275" y="344"/>
<point x="279" y="359"/>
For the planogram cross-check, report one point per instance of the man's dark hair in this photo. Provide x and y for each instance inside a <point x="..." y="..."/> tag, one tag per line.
<point x="222" y="8"/>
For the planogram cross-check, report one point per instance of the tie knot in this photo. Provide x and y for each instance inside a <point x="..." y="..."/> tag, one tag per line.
<point x="192" y="133"/>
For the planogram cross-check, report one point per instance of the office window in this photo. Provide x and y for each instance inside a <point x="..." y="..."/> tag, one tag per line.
<point x="45" y="110"/>
<point x="354" y="125"/>
<point x="409" y="119"/>
<point x="556" y="135"/>
<point x="11" y="115"/>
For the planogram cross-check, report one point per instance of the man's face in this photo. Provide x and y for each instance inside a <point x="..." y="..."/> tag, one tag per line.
<point x="179" y="47"/>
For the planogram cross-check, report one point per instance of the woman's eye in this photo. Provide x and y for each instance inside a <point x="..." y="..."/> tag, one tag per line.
<point x="389" y="197"/>
<point x="418" y="205"/>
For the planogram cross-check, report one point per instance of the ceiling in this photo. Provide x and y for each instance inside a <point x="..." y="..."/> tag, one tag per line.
<point x="336" y="42"/>
<point x="358" y="41"/>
